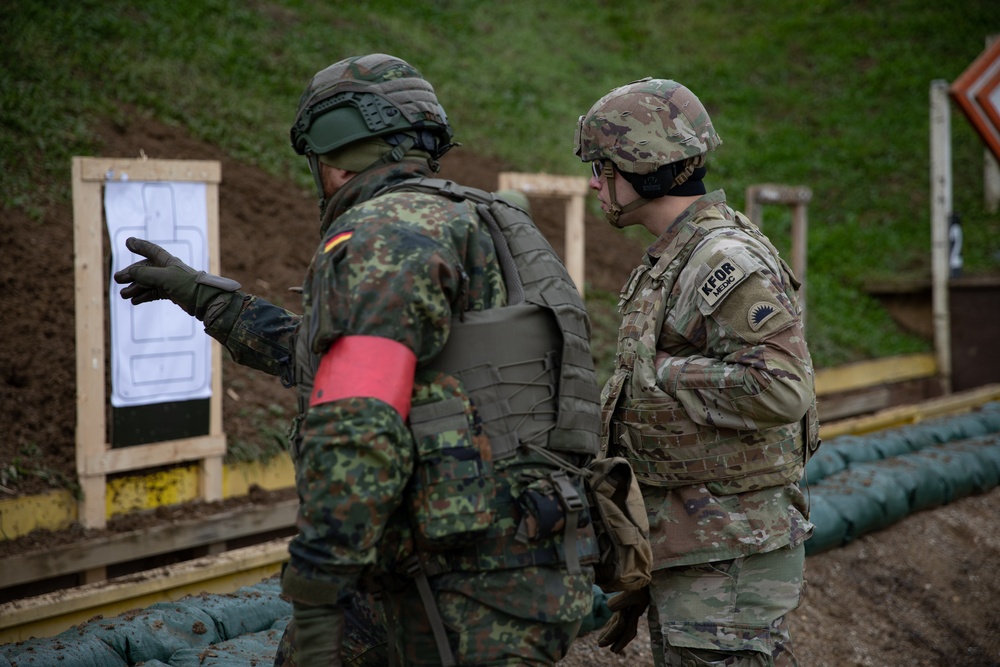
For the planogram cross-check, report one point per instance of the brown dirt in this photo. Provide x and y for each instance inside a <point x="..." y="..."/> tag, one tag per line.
<point x="923" y="592"/>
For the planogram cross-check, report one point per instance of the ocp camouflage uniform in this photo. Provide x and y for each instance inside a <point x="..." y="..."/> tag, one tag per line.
<point x="399" y="266"/>
<point x="706" y="432"/>
<point x="712" y="398"/>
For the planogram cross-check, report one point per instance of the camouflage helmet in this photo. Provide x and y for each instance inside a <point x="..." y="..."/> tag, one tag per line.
<point x="644" y="125"/>
<point x="369" y="96"/>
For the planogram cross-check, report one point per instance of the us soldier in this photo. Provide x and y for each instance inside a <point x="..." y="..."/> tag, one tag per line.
<point x="712" y="397"/>
<point x="446" y="391"/>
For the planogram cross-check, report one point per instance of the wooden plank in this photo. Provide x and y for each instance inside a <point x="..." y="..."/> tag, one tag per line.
<point x="152" y="541"/>
<point x="842" y="406"/>
<point x="952" y="404"/>
<point x="211" y="465"/>
<point x="154" y="454"/>
<point x="941" y="209"/>
<point x="101" y="169"/>
<point x="543" y="185"/>
<point x="852" y="377"/>
<point x="575" y="243"/>
<point x="48" y="615"/>
<point x="88" y="255"/>
<point x="56" y="510"/>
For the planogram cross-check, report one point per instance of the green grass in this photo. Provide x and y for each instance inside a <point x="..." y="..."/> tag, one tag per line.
<point x="828" y="94"/>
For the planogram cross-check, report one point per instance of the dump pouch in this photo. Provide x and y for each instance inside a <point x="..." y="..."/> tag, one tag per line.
<point x="451" y="500"/>
<point x="621" y="525"/>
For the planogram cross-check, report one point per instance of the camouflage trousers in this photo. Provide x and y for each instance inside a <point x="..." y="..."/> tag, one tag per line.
<point x="478" y="633"/>
<point x="728" y="613"/>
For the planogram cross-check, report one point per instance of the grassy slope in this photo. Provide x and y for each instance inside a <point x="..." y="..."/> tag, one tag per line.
<point x="828" y="94"/>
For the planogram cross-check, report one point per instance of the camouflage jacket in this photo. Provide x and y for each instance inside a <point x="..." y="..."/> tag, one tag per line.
<point x="395" y="266"/>
<point x="712" y="383"/>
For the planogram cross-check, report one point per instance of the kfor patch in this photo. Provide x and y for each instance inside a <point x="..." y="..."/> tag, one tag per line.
<point x="721" y="279"/>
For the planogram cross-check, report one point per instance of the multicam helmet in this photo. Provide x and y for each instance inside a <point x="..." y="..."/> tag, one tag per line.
<point x="369" y="96"/>
<point x="655" y="132"/>
<point x="645" y="125"/>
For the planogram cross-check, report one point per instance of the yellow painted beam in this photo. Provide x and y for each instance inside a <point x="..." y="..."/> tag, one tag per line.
<point x="953" y="404"/>
<point x="277" y="473"/>
<point x="48" y="615"/>
<point x="55" y="510"/>
<point x="144" y="492"/>
<point x="58" y="510"/>
<point x="876" y="372"/>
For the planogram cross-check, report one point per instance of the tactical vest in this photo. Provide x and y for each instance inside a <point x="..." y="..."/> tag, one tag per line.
<point x="528" y="371"/>
<point x="652" y="429"/>
<point x="526" y="365"/>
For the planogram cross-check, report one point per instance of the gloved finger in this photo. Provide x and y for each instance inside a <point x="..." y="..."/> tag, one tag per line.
<point x="131" y="290"/>
<point x="629" y="599"/>
<point x="147" y="295"/>
<point x="628" y="633"/>
<point x="612" y="631"/>
<point x="156" y="255"/>
<point x="127" y="275"/>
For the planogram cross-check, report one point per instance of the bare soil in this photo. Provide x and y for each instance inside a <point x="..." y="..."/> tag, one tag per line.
<point x="924" y="592"/>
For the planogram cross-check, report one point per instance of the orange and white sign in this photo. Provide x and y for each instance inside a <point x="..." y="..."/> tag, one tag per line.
<point x="977" y="92"/>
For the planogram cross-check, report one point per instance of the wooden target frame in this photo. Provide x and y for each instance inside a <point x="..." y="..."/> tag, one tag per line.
<point x="95" y="459"/>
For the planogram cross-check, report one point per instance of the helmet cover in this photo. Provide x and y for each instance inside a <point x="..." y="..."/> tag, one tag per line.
<point x="367" y="96"/>
<point x="644" y="125"/>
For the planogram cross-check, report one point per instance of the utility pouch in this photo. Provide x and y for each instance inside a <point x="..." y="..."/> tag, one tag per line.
<point x="621" y="526"/>
<point x="544" y="504"/>
<point x="453" y="490"/>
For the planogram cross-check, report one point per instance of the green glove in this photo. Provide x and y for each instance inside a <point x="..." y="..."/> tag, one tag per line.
<point x="319" y="633"/>
<point x="163" y="276"/>
<point x="628" y="608"/>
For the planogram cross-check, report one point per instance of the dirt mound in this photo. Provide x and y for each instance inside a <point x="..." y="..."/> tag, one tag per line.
<point x="923" y="592"/>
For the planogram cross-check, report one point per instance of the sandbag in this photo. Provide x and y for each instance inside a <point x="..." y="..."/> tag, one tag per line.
<point x="249" y="609"/>
<point x="830" y="529"/>
<point x="71" y="648"/>
<point x="157" y="632"/>
<point x="825" y="462"/>
<point x="255" y="648"/>
<point x="891" y="444"/>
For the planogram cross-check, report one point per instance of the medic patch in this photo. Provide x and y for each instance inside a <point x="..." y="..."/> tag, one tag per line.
<point x="759" y="313"/>
<point x="723" y="277"/>
<point x="336" y="240"/>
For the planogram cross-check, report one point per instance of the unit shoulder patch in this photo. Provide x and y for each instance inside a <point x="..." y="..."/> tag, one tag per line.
<point x="720" y="281"/>
<point x="760" y="313"/>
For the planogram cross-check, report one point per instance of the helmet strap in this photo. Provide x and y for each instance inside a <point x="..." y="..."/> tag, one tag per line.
<point x="614" y="209"/>
<point x="314" y="169"/>
<point x="690" y="165"/>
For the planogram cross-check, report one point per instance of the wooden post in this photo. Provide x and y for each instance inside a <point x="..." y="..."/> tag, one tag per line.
<point x="941" y="207"/>
<point x="798" y="197"/>
<point x="573" y="190"/>
<point x="95" y="459"/>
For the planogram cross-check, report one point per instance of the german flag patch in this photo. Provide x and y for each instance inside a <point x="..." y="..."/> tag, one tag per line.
<point x="336" y="240"/>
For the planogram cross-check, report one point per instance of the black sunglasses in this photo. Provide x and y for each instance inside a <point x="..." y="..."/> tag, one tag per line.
<point x="598" y="167"/>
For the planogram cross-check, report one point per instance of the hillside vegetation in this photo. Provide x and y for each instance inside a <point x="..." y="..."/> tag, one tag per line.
<point x="828" y="94"/>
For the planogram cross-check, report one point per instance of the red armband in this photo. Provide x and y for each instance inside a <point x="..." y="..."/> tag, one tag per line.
<point x="366" y="367"/>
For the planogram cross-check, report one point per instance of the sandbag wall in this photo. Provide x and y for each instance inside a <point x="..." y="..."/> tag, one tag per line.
<point x="236" y="630"/>
<point x="197" y="631"/>
<point x="860" y="483"/>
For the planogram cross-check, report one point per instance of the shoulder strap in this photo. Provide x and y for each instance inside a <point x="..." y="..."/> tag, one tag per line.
<point x="535" y="275"/>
